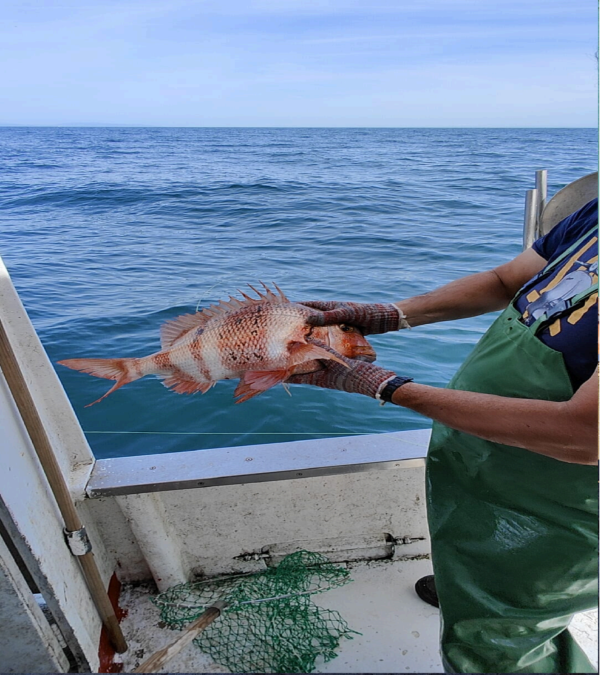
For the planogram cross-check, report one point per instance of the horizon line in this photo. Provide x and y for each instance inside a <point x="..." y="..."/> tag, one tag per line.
<point x="189" y="126"/>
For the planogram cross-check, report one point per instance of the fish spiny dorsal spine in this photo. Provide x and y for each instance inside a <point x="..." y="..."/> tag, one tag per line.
<point x="224" y="307"/>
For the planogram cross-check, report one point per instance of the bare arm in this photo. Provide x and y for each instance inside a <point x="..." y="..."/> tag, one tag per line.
<point x="470" y="296"/>
<point x="475" y="294"/>
<point x="567" y="431"/>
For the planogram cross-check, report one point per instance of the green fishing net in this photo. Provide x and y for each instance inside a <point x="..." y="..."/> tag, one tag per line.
<point x="270" y="624"/>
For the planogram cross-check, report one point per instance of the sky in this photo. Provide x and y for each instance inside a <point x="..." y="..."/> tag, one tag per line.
<point x="299" y="63"/>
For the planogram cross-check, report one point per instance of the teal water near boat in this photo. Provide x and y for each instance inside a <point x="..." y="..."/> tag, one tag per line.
<point x="109" y="232"/>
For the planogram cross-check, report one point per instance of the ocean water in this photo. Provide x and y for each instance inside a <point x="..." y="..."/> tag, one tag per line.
<point x="108" y="232"/>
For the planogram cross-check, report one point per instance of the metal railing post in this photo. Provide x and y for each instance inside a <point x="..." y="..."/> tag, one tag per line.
<point x="541" y="185"/>
<point x="531" y="218"/>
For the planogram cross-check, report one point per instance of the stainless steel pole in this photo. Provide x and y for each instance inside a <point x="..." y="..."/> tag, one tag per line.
<point x="541" y="185"/>
<point x="530" y="224"/>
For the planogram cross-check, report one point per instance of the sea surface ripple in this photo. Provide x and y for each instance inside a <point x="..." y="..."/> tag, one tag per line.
<point x="108" y="232"/>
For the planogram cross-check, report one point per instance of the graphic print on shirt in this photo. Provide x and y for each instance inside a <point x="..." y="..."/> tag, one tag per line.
<point x="560" y="304"/>
<point x="574" y="277"/>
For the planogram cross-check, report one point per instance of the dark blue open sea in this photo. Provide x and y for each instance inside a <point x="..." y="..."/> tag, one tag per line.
<point x="107" y="232"/>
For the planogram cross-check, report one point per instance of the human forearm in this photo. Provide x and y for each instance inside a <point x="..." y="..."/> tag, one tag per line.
<point x="469" y="296"/>
<point x="473" y="295"/>
<point x="566" y="431"/>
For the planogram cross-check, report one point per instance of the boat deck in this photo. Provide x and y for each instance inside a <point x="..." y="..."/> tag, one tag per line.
<point x="399" y="632"/>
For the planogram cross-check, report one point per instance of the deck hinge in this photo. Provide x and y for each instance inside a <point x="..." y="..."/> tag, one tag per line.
<point x="78" y="541"/>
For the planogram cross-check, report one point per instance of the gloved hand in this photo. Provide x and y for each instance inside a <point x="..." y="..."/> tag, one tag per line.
<point x="372" y="318"/>
<point x="356" y="377"/>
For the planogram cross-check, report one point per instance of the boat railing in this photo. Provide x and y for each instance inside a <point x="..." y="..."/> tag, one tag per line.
<point x="541" y="214"/>
<point x="172" y="517"/>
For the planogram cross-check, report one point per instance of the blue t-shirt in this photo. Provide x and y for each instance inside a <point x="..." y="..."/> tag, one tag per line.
<point x="564" y="298"/>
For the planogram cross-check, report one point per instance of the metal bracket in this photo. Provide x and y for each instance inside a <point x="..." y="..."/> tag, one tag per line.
<point x="397" y="541"/>
<point x="78" y="541"/>
<point x="339" y="549"/>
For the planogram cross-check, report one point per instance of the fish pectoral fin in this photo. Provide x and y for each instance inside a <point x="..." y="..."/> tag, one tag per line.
<point x="302" y="351"/>
<point x="254" y="382"/>
<point x="181" y="385"/>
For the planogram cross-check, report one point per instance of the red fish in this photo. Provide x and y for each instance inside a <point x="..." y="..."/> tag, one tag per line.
<point x="262" y="341"/>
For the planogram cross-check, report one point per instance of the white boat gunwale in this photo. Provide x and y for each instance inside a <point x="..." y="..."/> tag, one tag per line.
<point x="258" y="463"/>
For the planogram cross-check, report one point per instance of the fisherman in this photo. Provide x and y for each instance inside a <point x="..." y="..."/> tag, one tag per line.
<point x="512" y="479"/>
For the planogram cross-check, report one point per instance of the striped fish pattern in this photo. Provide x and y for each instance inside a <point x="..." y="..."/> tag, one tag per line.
<point x="262" y="341"/>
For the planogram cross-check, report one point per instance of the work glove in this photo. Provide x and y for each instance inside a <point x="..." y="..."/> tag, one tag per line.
<point x="371" y="318"/>
<point x="355" y="377"/>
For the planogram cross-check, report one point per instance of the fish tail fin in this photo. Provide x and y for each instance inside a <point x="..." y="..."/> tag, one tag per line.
<point x="123" y="371"/>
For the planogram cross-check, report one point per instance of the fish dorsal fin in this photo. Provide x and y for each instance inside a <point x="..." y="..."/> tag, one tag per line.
<point x="268" y="295"/>
<point x="233" y="304"/>
<point x="173" y="330"/>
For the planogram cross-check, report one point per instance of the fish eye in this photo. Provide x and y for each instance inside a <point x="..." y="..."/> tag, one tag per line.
<point x="345" y="328"/>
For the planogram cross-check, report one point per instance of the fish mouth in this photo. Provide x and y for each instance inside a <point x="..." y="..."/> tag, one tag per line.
<point x="364" y="354"/>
